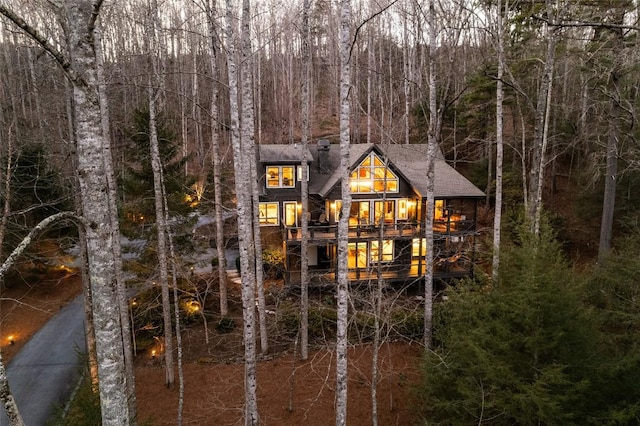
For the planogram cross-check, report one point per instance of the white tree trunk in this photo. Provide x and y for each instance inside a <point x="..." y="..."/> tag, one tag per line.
<point x="8" y="402"/>
<point x="432" y="148"/>
<point x="113" y="213"/>
<point x="156" y="166"/>
<point x="343" y="223"/>
<point x="217" y="166"/>
<point x="497" y="218"/>
<point x="536" y="178"/>
<point x="304" y="185"/>
<point x="245" y="212"/>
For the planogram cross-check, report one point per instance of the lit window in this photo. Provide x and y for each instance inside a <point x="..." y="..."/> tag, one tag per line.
<point x="419" y="247"/>
<point x="291" y="212"/>
<point x="300" y="172"/>
<point x="403" y="209"/>
<point x="336" y="206"/>
<point x="387" y="251"/>
<point x="280" y="177"/>
<point x="439" y="210"/>
<point x="384" y="210"/>
<point x="357" y="255"/>
<point x="269" y="214"/>
<point x="372" y="175"/>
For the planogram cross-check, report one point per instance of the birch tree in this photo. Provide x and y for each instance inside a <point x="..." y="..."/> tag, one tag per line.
<point x="215" y="155"/>
<point x="80" y="66"/>
<point x="249" y="147"/>
<point x="242" y="173"/>
<point x="304" y="185"/>
<point x="117" y="250"/>
<point x="343" y="223"/>
<point x="542" y="111"/>
<point x="497" y="218"/>
<point x="154" y="93"/>
<point x="432" y="147"/>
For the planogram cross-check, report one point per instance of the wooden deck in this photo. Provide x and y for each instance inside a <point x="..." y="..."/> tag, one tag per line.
<point x="443" y="269"/>
<point x="325" y="233"/>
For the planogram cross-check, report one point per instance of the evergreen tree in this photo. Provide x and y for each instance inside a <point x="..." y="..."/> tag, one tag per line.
<point x="520" y="352"/>
<point x="137" y="181"/>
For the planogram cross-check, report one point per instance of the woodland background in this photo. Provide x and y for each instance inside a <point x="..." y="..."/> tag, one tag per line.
<point x="567" y="72"/>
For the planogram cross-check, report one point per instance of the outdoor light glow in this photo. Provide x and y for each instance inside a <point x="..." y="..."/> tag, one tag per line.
<point x="153" y="353"/>
<point x="11" y="339"/>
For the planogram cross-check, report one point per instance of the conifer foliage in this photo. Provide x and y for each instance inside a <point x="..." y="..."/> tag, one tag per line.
<point x="533" y="348"/>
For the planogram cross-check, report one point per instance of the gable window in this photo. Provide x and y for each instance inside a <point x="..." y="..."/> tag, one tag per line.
<point x="387" y="251"/>
<point x="372" y="176"/>
<point x="280" y="177"/>
<point x="269" y="214"/>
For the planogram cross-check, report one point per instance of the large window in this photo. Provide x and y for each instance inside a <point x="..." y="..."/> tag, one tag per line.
<point x="387" y="251"/>
<point x="385" y="210"/>
<point x="291" y="212"/>
<point x="269" y="214"/>
<point x="372" y="175"/>
<point x="357" y="255"/>
<point x="419" y="247"/>
<point x="280" y="177"/>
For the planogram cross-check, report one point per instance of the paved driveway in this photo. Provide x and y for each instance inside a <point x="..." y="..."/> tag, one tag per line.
<point x="45" y="372"/>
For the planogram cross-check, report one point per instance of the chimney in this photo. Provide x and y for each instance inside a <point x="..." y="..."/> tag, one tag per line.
<point x="323" y="153"/>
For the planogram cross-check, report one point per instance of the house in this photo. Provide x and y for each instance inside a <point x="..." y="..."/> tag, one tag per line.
<point x="386" y="231"/>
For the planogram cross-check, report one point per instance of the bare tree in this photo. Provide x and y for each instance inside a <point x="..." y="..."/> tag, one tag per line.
<point x="241" y="159"/>
<point x="156" y="165"/>
<point x="497" y="218"/>
<point x="215" y="155"/>
<point x="432" y="148"/>
<point x="80" y="66"/>
<point x="538" y="156"/>
<point x="343" y="223"/>
<point x="304" y="185"/>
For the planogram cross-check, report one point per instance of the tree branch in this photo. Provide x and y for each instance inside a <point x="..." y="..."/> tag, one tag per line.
<point x="355" y="35"/>
<point x="34" y="232"/>
<point x="58" y="56"/>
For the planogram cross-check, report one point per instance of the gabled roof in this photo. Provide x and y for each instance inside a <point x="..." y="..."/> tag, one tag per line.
<point x="409" y="160"/>
<point x="283" y="153"/>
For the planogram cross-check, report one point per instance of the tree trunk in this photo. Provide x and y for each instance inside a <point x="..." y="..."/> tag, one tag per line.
<point x="8" y="402"/>
<point x="539" y="143"/>
<point x="113" y="214"/>
<point x="432" y="148"/>
<point x="245" y="212"/>
<point x="343" y="223"/>
<point x="497" y="218"/>
<point x="304" y="184"/>
<point x="217" y="166"/>
<point x="613" y="123"/>
<point x="156" y="165"/>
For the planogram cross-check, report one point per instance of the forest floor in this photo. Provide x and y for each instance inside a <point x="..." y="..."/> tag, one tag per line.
<point x="290" y="391"/>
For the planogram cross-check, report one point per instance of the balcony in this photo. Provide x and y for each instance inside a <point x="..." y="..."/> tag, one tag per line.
<point x="328" y="232"/>
<point x="443" y="268"/>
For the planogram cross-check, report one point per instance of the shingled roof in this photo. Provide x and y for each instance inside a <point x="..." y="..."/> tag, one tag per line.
<point x="409" y="160"/>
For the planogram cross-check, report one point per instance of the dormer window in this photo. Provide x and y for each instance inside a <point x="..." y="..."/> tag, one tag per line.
<point x="373" y="176"/>
<point x="280" y="177"/>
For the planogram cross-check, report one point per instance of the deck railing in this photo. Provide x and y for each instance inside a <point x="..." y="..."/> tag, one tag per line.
<point x="398" y="229"/>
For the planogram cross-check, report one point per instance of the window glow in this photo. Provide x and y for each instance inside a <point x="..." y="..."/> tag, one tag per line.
<point x="372" y="175"/>
<point x="280" y="177"/>
<point x="387" y="251"/>
<point x="269" y="214"/>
